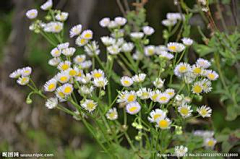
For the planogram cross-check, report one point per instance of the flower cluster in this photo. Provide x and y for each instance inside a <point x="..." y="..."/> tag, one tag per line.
<point x="154" y="103"/>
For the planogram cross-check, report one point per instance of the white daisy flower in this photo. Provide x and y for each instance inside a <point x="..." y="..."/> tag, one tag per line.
<point x="108" y="40"/>
<point x="80" y="41"/>
<point x="60" y="95"/>
<point x="160" y="48"/>
<point x="156" y="115"/>
<point x="63" y="45"/>
<point x="63" y="77"/>
<point x="174" y="16"/>
<point x="187" y="41"/>
<point x="97" y="73"/>
<point x="148" y="30"/>
<point x="181" y="69"/>
<point x="170" y="92"/>
<point x="73" y="71"/>
<point x="32" y="13"/>
<point x="133" y="108"/>
<point x="137" y="56"/>
<point x="127" y="47"/>
<point x="163" y="98"/>
<point x="165" y="54"/>
<point x="104" y="22"/>
<point x="84" y="78"/>
<point x="23" y="80"/>
<point x="100" y="82"/>
<point x="175" y="47"/>
<point x="126" y="81"/>
<point x="203" y="63"/>
<point x="53" y="27"/>
<point x="185" y="111"/>
<point x="51" y="103"/>
<point x="211" y="75"/>
<point x="144" y="93"/>
<point x="55" y="52"/>
<point x="92" y="49"/>
<point x="112" y="24"/>
<point x="180" y="151"/>
<point x="207" y="85"/>
<point x="130" y="96"/>
<point x="122" y="97"/>
<point x="75" y="30"/>
<point x="112" y="114"/>
<point x="136" y="35"/>
<point x="204" y="111"/>
<point x="120" y="21"/>
<point x="68" y="51"/>
<point x="54" y="61"/>
<point x="47" y="5"/>
<point x="158" y="83"/>
<point x="50" y="85"/>
<point x="86" y="90"/>
<point x="164" y="123"/>
<point x="26" y="71"/>
<point x="204" y="133"/>
<point x="87" y="34"/>
<point x="210" y="142"/>
<point x="167" y="22"/>
<point x="149" y="50"/>
<point x="79" y="59"/>
<point x="197" y="70"/>
<point x="62" y="16"/>
<point x="154" y="95"/>
<point x="89" y="105"/>
<point x="15" y="74"/>
<point x="139" y="78"/>
<point x="64" y="65"/>
<point x="114" y="49"/>
<point x="197" y="87"/>
<point x="67" y="89"/>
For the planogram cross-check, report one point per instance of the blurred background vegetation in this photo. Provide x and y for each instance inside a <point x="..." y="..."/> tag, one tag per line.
<point x="33" y="128"/>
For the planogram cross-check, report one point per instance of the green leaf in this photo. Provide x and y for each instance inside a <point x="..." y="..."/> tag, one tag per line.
<point x="203" y="50"/>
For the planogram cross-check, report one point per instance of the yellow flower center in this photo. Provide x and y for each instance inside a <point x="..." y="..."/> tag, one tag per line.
<point x="126" y="82"/>
<point x="72" y="73"/>
<point x="82" y="41"/>
<point x="197" y="70"/>
<point x="203" y="112"/>
<point x="90" y="105"/>
<point x="173" y="48"/>
<point x="88" y="35"/>
<point x="154" y="97"/>
<point x="156" y="116"/>
<point x="61" y="94"/>
<point x="182" y="68"/>
<point x="68" y="90"/>
<point x="163" y="124"/>
<point x="210" y="143"/>
<point x="57" y="28"/>
<point x="131" y="98"/>
<point x="63" y="78"/>
<point x="197" y="89"/>
<point x="51" y="86"/>
<point x="184" y="111"/>
<point x="65" y="67"/>
<point x="211" y="76"/>
<point x="97" y="75"/>
<point x="163" y="98"/>
<point x="150" y="51"/>
<point x="112" y="115"/>
<point x="133" y="109"/>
